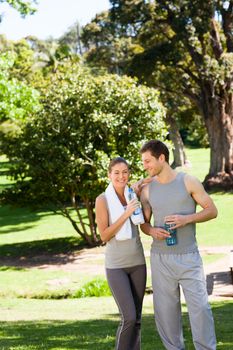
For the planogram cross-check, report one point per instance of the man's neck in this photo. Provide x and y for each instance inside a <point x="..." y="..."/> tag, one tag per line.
<point x="166" y="175"/>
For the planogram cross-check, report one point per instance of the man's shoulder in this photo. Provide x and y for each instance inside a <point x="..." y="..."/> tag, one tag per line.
<point x="190" y="178"/>
<point x="192" y="183"/>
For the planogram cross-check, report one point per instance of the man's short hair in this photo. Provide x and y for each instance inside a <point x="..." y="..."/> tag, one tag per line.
<point x="156" y="148"/>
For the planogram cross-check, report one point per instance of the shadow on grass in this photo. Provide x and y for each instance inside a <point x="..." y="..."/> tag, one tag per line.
<point x="56" y="334"/>
<point x="100" y="334"/>
<point x="19" y="219"/>
<point x="57" y="250"/>
<point x="79" y="335"/>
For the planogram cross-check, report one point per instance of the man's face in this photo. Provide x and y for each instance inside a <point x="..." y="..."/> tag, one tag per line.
<point x="151" y="164"/>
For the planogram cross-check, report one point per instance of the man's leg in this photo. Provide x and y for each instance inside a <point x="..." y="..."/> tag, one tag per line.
<point x="166" y="296"/>
<point x="195" y="292"/>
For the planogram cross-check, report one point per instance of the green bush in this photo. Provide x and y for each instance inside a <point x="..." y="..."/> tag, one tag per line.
<point x="95" y="288"/>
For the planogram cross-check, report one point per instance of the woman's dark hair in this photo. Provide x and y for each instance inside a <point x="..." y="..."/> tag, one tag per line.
<point x="115" y="161"/>
<point x="156" y="148"/>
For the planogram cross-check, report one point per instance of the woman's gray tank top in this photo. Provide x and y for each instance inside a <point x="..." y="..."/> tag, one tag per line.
<point x="127" y="253"/>
<point x="168" y="199"/>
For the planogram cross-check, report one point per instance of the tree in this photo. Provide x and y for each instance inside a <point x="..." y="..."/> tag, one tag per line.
<point x="49" y="53"/>
<point x="23" y="7"/>
<point x="113" y="46"/>
<point x="71" y="39"/>
<point x="108" y="45"/>
<point x="18" y="100"/>
<point x="23" y="67"/>
<point x="60" y="158"/>
<point x="193" y="43"/>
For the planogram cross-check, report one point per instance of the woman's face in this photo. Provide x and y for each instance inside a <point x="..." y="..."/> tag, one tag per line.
<point x="119" y="175"/>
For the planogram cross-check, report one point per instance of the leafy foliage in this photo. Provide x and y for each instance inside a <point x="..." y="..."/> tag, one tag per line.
<point x="61" y="156"/>
<point x="23" y="7"/>
<point x="18" y="100"/>
<point x="95" y="288"/>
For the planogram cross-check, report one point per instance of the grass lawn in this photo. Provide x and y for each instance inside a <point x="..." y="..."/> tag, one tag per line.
<point x="40" y="282"/>
<point x="88" y="323"/>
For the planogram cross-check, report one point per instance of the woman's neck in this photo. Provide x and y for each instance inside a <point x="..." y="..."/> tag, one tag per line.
<point x="121" y="196"/>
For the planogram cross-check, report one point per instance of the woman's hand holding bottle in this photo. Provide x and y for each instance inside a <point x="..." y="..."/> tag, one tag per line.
<point x="132" y="205"/>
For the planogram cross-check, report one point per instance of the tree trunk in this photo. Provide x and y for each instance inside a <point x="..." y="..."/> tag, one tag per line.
<point x="178" y="150"/>
<point x="219" y="123"/>
<point x="92" y="225"/>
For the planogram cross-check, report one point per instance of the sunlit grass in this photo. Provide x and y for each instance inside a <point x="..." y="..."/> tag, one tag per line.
<point x="41" y="283"/>
<point x="89" y="323"/>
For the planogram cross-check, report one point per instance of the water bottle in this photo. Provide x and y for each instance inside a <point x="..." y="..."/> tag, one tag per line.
<point x="133" y="195"/>
<point x="137" y="216"/>
<point x="172" y="240"/>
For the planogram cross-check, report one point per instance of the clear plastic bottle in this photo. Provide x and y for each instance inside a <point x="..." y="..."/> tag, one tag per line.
<point x="133" y="195"/>
<point x="137" y="216"/>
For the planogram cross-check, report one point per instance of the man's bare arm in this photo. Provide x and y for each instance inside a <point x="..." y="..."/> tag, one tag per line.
<point x="201" y="197"/>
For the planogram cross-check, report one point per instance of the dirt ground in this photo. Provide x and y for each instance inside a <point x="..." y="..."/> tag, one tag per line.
<point x="218" y="275"/>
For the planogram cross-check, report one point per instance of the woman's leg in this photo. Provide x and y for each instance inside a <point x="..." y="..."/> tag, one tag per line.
<point x="138" y="284"/>
<point x="123" y="290"/>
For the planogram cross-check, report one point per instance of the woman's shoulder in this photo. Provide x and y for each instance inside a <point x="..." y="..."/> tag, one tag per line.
<point x="101" y="200"/>
<point x="101" y="195"/>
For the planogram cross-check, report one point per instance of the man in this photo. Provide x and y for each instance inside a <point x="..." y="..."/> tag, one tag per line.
<point x="172" y="197"/>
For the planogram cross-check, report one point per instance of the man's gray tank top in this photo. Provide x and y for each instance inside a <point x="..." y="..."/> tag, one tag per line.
<point x="168" y="199"/>
<point x="127" y="253"/>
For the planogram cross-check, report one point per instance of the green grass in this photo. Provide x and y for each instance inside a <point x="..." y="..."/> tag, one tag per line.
<point x="41" y="283"/>
<point x="199" y="159"/>
<point x="25" y="232"/>
<point x="217" y="232"/>
<point x="21" y="224"/>
<point x="88" y="323"/>
<point x="211" y="258"/>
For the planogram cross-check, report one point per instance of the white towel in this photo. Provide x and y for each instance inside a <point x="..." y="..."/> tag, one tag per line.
<point x="116" y="209"/>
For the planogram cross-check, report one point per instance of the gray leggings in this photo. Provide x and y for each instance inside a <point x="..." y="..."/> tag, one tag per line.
<point x="128" y="289"/>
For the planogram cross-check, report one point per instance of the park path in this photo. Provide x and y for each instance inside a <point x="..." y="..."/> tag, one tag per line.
<point x="218" y="277"/>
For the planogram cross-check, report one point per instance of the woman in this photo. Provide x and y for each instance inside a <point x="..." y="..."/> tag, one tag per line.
<point x="124" y="257"/>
